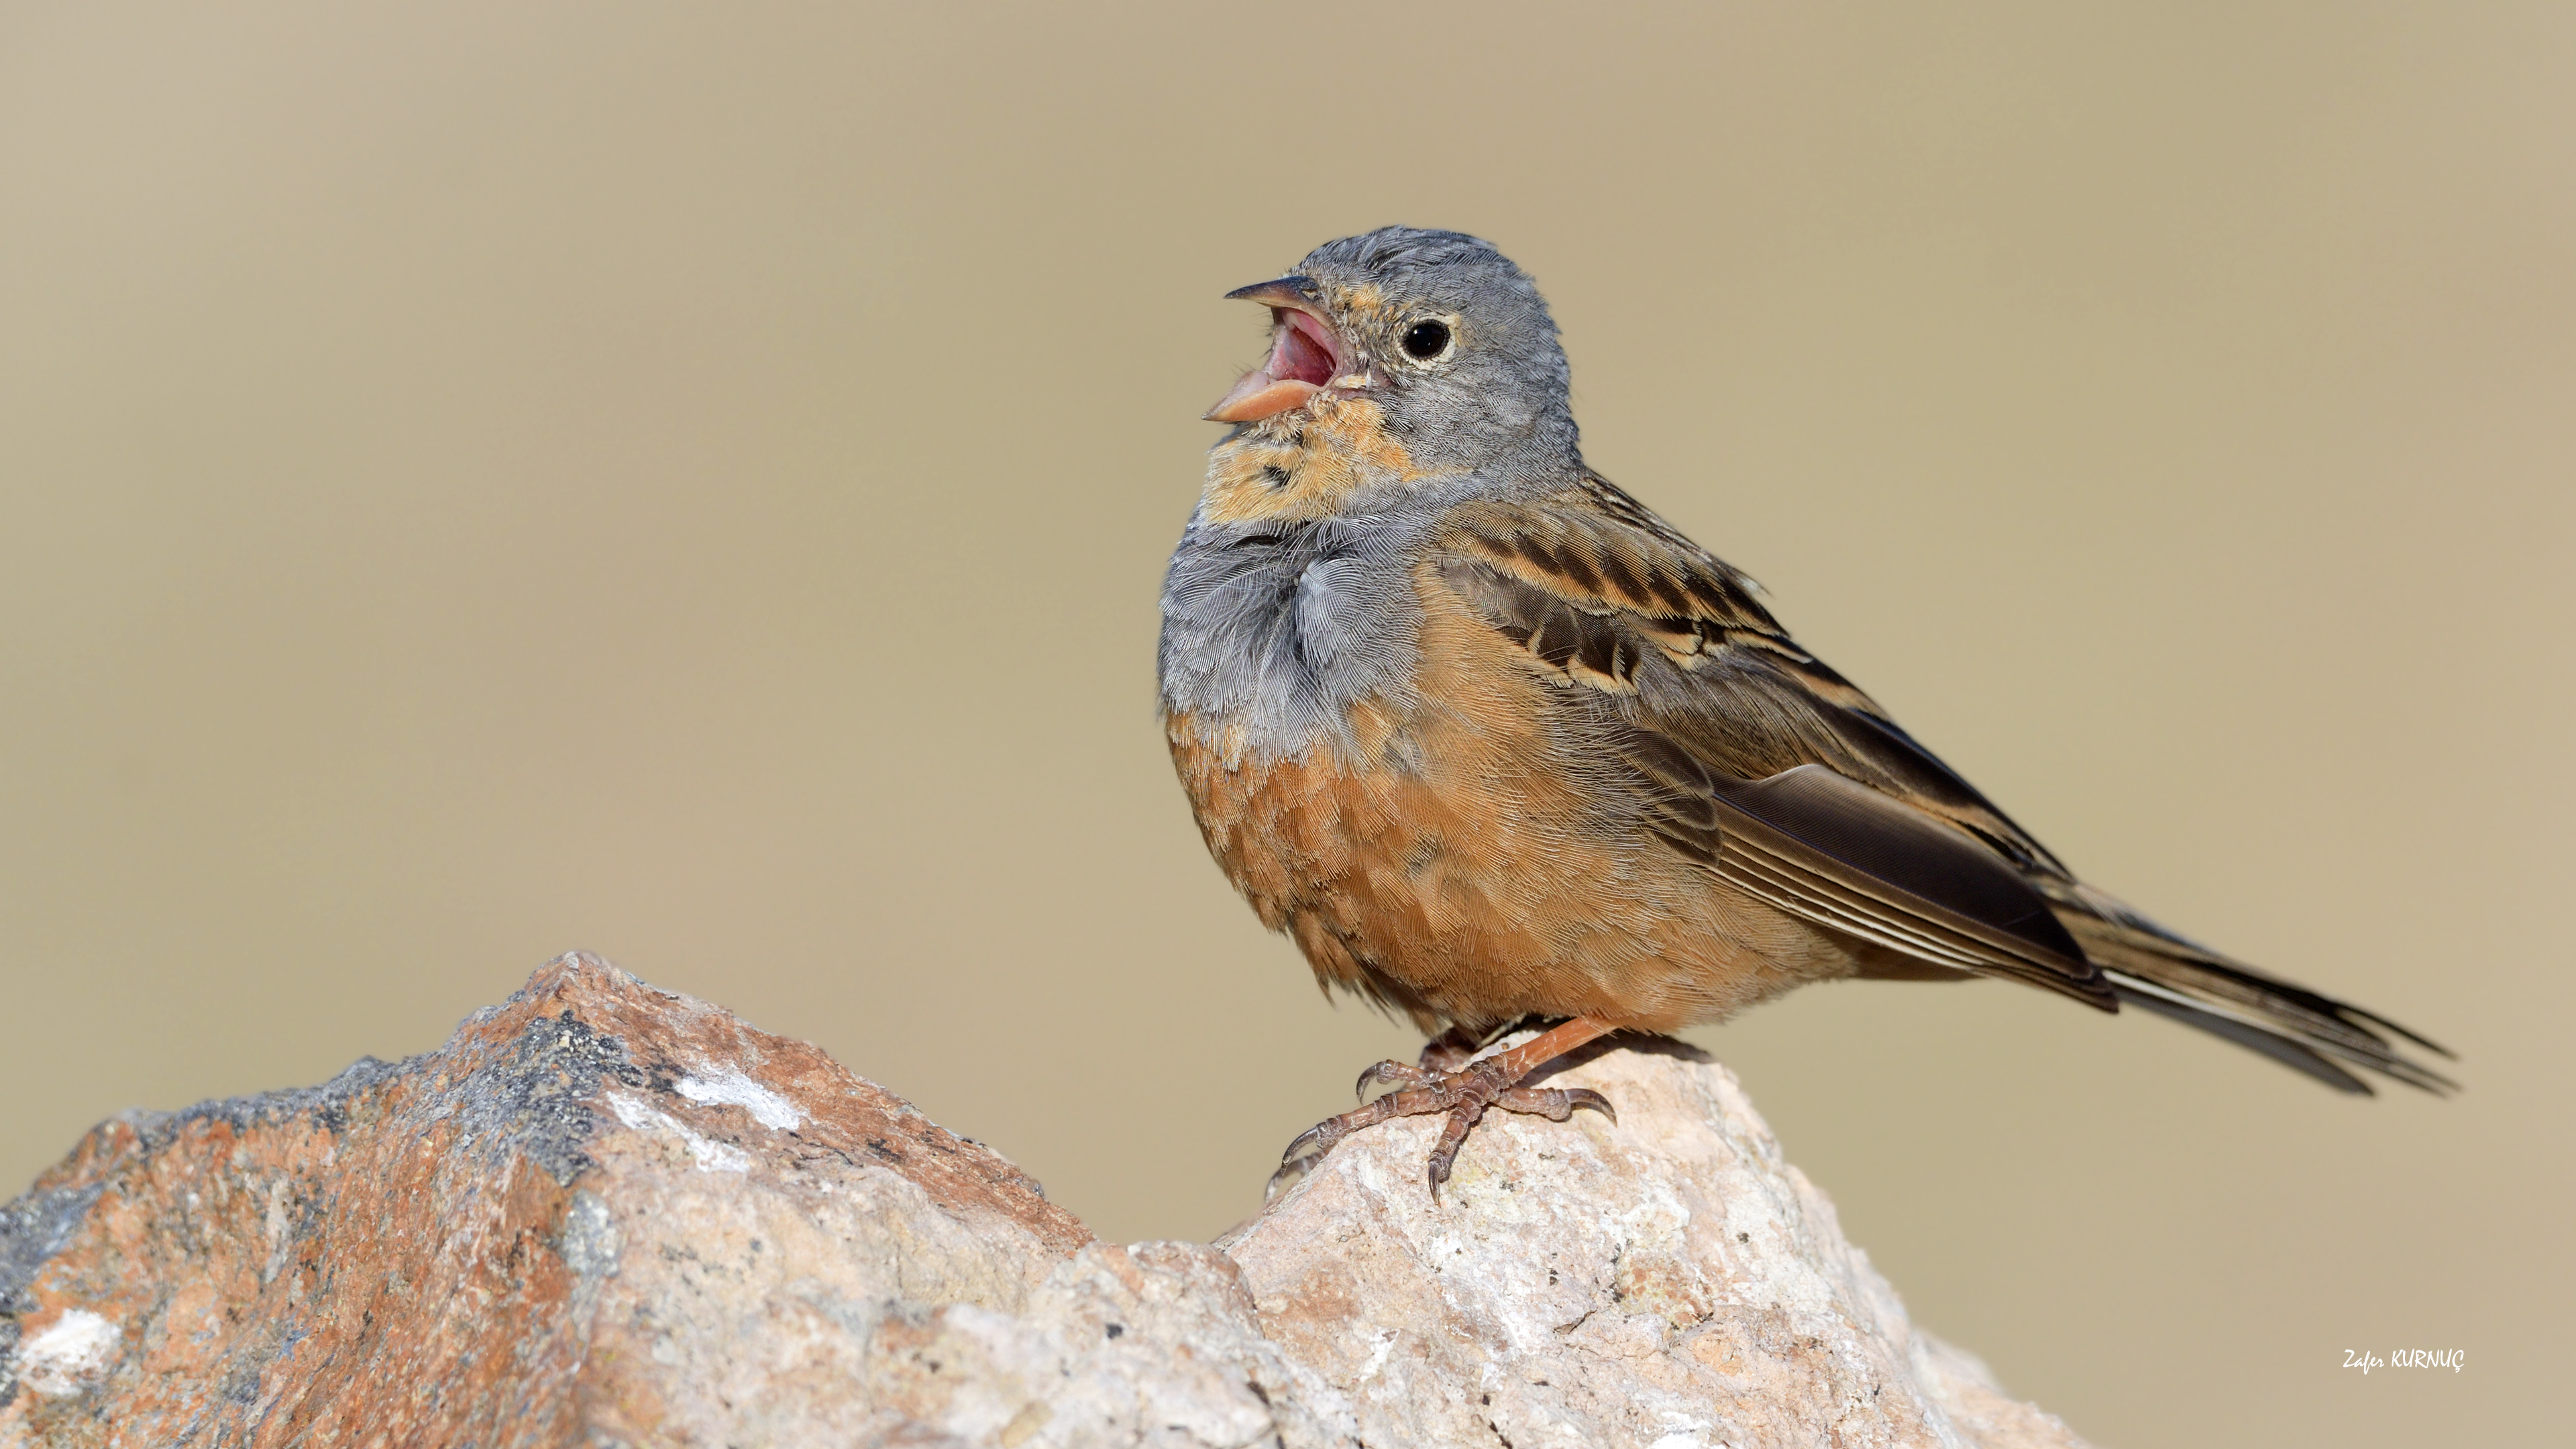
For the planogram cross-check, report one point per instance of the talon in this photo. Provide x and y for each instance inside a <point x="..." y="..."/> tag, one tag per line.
<point x="1390" y="1071"/>
<point x="1586" y="1099"/>
<point x="1309" y="1138"/>
<point x="1436" y="1167"/>
<point x="1280" y="1181"/>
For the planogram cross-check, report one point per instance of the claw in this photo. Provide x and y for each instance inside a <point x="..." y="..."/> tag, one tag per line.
<point x="1389" y="1071"/>
<point x="1584" y="1098"/>
<point x="1281" y="1180"/>
<point x="1306" y="1139"/>
<point x="1301" y="1157"/>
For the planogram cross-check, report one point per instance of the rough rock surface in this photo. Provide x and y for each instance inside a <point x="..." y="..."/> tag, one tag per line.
<point x="605" y="1214"/>
<point x="1665" y="1280"/>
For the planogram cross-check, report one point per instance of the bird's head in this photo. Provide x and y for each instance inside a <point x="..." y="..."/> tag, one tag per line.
<point x="1449" y="340"/>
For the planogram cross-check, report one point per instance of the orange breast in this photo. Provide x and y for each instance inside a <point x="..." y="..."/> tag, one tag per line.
<point x="1451" y="857"/>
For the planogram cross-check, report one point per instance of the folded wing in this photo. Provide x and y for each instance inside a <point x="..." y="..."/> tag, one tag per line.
<point x="1756" y="760"/>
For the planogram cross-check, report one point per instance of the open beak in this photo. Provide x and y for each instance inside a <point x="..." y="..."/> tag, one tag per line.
<point x="1305" y="356"/>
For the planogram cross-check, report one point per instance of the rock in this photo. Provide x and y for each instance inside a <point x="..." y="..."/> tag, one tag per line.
<point x="1665" y="1280"/>
<point x="605" y="1214"/>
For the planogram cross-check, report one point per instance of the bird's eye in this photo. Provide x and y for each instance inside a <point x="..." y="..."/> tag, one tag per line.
<point x="1424" y="341"/>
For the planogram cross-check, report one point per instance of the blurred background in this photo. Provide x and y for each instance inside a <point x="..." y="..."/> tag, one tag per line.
<point x="692" y="482"/>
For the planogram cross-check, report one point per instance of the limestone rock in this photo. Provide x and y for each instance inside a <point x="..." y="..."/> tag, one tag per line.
<point x="605" y="1214"/>
<point x="1665" y="1280"/>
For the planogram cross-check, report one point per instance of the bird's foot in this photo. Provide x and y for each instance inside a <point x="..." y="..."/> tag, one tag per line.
<point x="1447" y="1083"/>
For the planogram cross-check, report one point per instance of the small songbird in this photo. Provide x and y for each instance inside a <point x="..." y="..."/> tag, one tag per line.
<point x="1491" y="741"/>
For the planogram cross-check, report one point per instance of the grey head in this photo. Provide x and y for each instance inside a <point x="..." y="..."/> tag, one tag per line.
<point x="1274" y="624"/>
<point x="1440" y="329"/>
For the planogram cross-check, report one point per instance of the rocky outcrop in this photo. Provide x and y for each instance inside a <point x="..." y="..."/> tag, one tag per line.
<point x="1667" y="1280"/>
<point x="605" y="1214"/>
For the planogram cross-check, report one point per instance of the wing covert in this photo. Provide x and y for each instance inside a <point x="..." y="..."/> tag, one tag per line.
<point x="1752" y="756"/>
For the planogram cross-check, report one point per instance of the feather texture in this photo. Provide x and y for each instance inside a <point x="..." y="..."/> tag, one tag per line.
<point x="1486" y="737"/>
<point x="1759" y="763"/>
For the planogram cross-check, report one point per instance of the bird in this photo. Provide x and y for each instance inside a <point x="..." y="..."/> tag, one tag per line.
<point x="1504" y="752"/>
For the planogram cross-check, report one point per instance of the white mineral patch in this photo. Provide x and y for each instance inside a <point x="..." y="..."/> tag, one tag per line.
<point x="64" y="1358"/>
<point x="706" y="1155"/>
<point x="731" y="1088"/>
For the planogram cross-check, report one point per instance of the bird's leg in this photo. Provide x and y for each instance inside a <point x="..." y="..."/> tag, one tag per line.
<point x="1453" y="1048"/>
<point x="1441" y="1055"/>
<point x="1462" y="1091"/>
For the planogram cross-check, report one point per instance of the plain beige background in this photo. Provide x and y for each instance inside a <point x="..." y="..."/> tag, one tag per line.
<point x="691" y="482"/>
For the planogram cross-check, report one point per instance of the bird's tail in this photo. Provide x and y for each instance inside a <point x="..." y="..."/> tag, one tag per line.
<point x="2153" y="969"/>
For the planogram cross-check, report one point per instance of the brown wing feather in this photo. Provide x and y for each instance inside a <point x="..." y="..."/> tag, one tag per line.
<point x="1595" y="568"/>
<point x="1757" y="760"/>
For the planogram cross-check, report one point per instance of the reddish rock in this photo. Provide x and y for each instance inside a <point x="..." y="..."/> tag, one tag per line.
<point x="435" y="1251"/>
<point x="605" y="1214"/>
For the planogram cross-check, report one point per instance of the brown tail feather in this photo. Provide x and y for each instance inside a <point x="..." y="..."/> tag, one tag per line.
<point x="2279" y="1048"/>
<point x="2155" y="970"/>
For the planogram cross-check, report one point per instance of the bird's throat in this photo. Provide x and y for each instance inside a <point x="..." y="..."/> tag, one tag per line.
<point x="1305" y="465"/>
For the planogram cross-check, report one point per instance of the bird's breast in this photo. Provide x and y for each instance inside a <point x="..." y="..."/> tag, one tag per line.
<point x="1448" y="851"/>
<point x="1276" y="634"/>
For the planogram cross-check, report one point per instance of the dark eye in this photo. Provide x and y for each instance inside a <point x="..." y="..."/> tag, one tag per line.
<point x="1426" y="340"/>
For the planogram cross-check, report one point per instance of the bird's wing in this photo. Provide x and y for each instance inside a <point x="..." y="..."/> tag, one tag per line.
<point x="1749" y="754"/>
